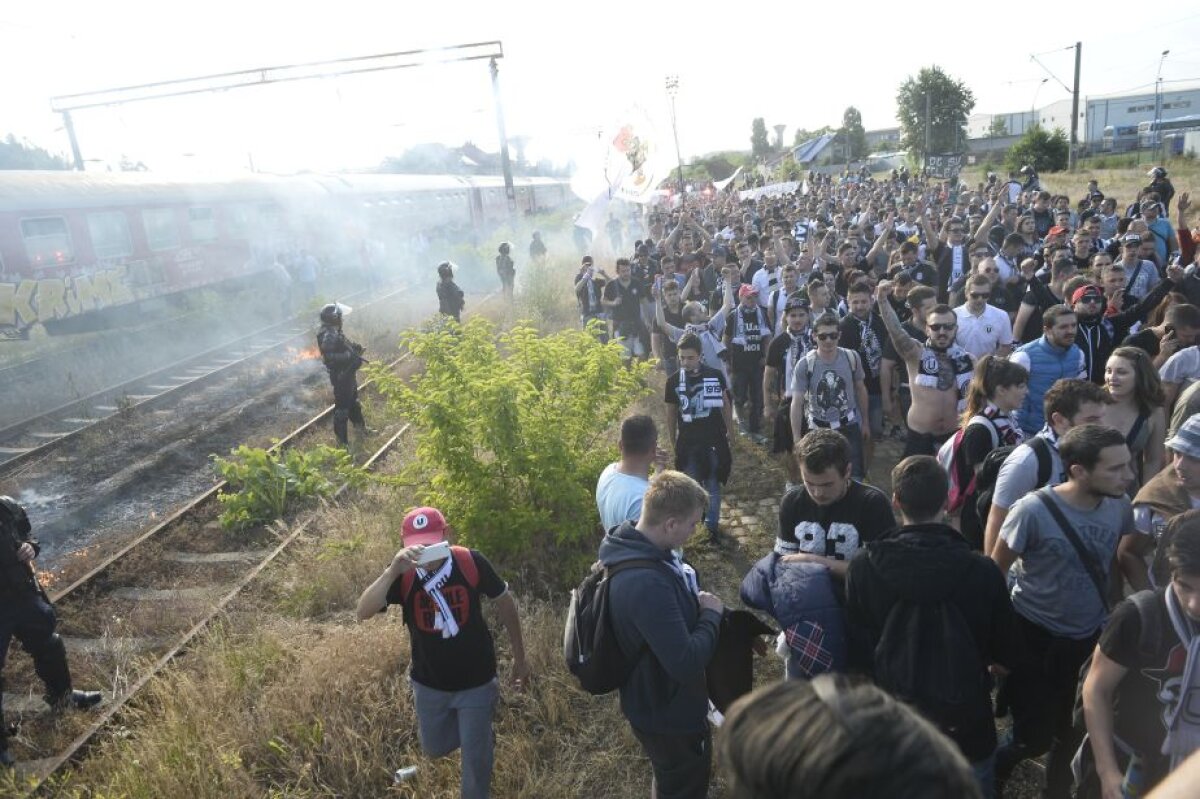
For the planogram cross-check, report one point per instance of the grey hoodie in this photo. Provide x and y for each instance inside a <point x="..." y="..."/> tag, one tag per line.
<point x="658" y="620"/>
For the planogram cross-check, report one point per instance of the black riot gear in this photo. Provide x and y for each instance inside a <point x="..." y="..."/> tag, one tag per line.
<point x="342" y="359"/>
<point x="27" y="615"/>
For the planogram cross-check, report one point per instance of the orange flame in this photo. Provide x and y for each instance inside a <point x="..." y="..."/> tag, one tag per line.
<point x="294" y="355"/>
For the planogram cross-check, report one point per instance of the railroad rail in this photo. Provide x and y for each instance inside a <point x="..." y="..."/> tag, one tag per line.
<point x="40" y="779"/>
<point x="38" y="435"/>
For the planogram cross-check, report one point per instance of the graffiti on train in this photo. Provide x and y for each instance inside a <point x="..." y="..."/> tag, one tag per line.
<point x="31" y="301"/>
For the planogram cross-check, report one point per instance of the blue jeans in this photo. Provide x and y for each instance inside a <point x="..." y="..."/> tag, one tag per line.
<point x="692" y="469"/>
<point x="985" y="775"/>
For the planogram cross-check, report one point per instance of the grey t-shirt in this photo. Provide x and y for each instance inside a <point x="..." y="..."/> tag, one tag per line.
<point x="1050" y="585"/>
<point x="1019" y="472"/>
<point x="1182" y="367"/>
<point x="828" y="387"/>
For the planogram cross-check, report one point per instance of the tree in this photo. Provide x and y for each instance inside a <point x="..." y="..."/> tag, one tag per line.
<point x="852" y="135"/>
<point x="950" y="102"/>
<point x="998" y="127"/>
<point x="22" y="154"/>
<point x="1044" y="151"/>
<point x="760" y="143"/>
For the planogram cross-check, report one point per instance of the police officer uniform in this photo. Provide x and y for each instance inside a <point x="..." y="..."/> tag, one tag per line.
<point x="27" y="615"/>
<point x="342" y="358"/>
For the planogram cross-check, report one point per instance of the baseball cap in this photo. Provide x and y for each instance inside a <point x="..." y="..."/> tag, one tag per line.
<point x="1131" y="238"/>
<point x="1057" y="230"/>
<point x="424" y="526"/>
<point x="1087" y="292"/>
<point x="797" y="300"/>
<point x="747" y="290"/>
<point x="1187" y="440"/>
<point x="1149" y="205"/>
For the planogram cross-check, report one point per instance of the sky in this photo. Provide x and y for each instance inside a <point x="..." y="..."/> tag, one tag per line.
<point x="570" y="72"/>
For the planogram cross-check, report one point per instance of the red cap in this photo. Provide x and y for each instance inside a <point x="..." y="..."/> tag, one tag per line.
<point x="1057" y="230"/>
<point x="1087" y="291"/>
<point x="746" y="290"/>
<point x="424" y="526"/>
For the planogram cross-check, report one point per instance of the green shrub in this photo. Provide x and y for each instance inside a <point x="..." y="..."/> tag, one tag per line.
<point x="511" y="428"/>
<point x="264" y="484"/>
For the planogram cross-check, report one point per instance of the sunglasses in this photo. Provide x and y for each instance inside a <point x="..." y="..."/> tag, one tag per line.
<point x="828" y="336"/>
<point x="938" y="328"/>
<point x="976" y="295"/>
<point x="1090" y="300"/>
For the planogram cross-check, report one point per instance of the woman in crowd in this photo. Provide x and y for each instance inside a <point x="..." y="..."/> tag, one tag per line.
<point x="996" y="390"/>
<point x="1137" y="410"/>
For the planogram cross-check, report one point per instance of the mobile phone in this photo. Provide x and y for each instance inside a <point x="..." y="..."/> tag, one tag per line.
<point x="429" y="554"/>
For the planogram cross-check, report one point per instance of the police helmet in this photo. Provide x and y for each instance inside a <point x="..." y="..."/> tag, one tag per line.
<point x="12" y="513"/>
<point x="505" y="247"/>
<point x="331" y="314"/>
<point x="1157" y="172"/>
<point x="446" y="269"/>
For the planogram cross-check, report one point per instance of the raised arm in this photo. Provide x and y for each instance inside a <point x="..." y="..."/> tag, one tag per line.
<point x="907" y="347"/>
<point x="888" y="228"/>
<point x="986" y="224"/>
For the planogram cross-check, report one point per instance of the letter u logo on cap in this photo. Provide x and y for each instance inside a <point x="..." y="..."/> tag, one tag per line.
<point x="420" y="521"/>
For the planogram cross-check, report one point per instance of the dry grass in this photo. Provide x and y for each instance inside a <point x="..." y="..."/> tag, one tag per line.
<point x="1124" y="184"/>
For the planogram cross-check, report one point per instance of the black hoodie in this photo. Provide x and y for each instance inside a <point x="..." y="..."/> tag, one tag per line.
<point x="933" y="563"/>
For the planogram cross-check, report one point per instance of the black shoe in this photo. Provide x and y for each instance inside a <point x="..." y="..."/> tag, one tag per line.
<point x="79" y="700"/>
<point x="6" y="760"/>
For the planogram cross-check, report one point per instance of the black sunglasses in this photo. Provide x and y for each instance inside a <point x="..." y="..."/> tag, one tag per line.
<point x="937" y="328"/>
<point x="828" y="336"/>
<point x="977" y="295"/>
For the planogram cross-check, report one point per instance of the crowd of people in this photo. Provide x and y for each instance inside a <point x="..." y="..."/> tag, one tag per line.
<point x="1044" y="518"/>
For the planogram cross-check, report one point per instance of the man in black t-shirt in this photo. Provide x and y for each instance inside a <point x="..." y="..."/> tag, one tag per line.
<point x="746" y="337"/>
<point x="1135" y="688"/>
<point x="863" y="331"/>
<point x="785" y="351"/>
<point x="623" y="299"/>
<point x="699" y="418"/>
<point x="830" y="506"/>
<point x="453" y="671"/>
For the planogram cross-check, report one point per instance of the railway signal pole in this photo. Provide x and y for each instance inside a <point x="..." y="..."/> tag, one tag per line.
<point x="489" y="51"/>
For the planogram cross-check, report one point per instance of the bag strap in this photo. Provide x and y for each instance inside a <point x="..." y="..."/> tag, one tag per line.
<point x="1136" y="429"/>
<point x="1148" y="604"/>
<point x="1085" y="557"/>
<point x="1041" y="448"/>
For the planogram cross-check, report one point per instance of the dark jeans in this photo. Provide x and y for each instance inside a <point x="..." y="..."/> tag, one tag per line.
<point x="748" y="396"/>
<point x="30" y="619"/>
<point x="346" y="407"/>
<point x="681" y="763"/>
<point x="1041" y="696"/>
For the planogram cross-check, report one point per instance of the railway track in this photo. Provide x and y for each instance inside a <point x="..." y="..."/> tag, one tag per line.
<point x="37" y="436"/>
<point x="214" y="579"/>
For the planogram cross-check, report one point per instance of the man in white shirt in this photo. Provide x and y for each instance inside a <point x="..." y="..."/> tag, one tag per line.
<point x="983" y="329"/>
<point x="623" y="484"/>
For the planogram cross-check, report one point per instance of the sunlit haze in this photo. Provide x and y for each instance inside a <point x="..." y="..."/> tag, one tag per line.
<point x="569" y="71"/>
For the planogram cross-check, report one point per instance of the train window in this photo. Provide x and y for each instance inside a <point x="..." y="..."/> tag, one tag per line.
<point x="47" y="240"/>
<point x="110" y="234"/>
<point x="202" y="224"/>
<point x="237" y="221"/>
<point x="161" y="231"/>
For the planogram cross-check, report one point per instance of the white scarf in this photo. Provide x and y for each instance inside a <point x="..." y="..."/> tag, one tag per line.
<point x="956" y="255"/>
<point x="432" y="584"/>
<point x="1183" y="737"/>
<point x="796" y="349"/>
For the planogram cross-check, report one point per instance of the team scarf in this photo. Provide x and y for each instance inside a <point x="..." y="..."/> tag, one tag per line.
<point x="956" y="255"/>
<point x="1183" y="736"/>
<point x="747" y="330"/>
<point x="798" y="345"/>
<point x="433" y="584"/>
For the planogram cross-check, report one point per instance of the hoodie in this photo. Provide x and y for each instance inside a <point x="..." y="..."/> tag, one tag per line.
<point x="657" y="620"/>
<point x="933" y="563"/>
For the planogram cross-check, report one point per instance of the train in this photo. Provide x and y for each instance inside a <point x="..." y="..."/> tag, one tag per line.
<point x="75" y="245"/>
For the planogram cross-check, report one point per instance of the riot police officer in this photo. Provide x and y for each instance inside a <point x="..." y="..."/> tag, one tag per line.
<point x="342" y="358"/>
<point x="26" y="613"/>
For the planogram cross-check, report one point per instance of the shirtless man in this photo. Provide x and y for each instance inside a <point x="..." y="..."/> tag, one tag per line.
<point x="938" y="372"/>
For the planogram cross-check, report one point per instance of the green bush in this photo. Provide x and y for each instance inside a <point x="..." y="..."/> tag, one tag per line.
<point x="1045" y="151"/>
<point x="264" y="484"/>
<point x="510" y="430"/>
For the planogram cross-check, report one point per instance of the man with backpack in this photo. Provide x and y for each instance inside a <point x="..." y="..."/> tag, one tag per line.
<point x="453" y="671"/>
<point x="1009" y="473"/>
<point x="927" y="616"/>
<point x="1141" y="685"/>
<point x="1061" y="543"/>
<point x="668" y="629"/>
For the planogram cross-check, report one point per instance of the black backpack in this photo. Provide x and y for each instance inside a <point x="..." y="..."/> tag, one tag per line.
<point x="589" y="644"/>
<point x="927" y="656"/>
<point x="989" y="472"/>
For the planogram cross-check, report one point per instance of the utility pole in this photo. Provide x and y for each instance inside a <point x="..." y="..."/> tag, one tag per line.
<point x="505" y="165"/>
<point x="69" y="127"/>
<point x="1073" y="154"/>
<point x="927" y="107"/>
<point x="1158" y="107"/>
<point x="672" y="90"/>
